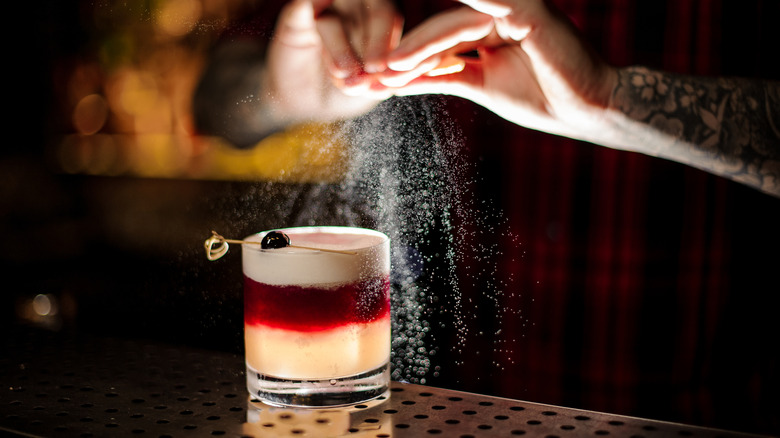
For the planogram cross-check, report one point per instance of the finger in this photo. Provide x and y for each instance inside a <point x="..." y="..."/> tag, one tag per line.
<point x="513" y="19"/>
<point x="439" y="34"/>
<point x="344" y="61"/>
<point x="449" y="65"/>
<point x="383" y="33"/>
<point x="466" y="83"/>
<point x="494" y="8"/>
<point x="395" y="79"/>
<point x="434" y="66"/>
<point x="295" y="26"/>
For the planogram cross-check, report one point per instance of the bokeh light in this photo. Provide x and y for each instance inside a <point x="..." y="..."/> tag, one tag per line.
<point x="128" y="101"/>
<point x="90" y="114"/>
<point x="44" y="305"/>
<point x="178" y="17"/>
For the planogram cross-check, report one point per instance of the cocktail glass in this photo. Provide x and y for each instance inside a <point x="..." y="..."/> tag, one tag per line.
<point x="317" y="323"/>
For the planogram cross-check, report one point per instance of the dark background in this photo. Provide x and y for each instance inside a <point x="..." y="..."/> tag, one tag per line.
<point x="638" y="286"/>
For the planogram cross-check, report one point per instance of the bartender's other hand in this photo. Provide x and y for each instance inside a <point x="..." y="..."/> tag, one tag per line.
<point x="532" y="67"/>
<point x="357" y="36"/>
<point x="322" y="52"/>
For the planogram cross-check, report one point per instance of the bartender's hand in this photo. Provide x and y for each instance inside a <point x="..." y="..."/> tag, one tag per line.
<point x="535" y="70"/>
<point x="532" y="66"/>
<point x="321" y="60"/>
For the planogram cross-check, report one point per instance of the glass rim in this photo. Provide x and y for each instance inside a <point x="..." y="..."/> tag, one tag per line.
<point x="334" y="229"/>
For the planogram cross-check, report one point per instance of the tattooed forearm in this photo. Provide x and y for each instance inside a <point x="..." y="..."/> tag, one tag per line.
<point x="730" y="127"/>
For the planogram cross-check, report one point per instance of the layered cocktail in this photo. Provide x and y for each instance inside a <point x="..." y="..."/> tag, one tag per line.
<point x="317" y="322"/>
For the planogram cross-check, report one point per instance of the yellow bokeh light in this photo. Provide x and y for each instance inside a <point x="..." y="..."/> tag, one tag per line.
<point x="155" y="120"/>
<point x="90" y="114"/>
<point x="178" y="17"/>
<point x="159" y="155"/>
<point x="134" y="92"/>
<point x="105" y="157"/>
<point x="44" y="305"/>
<point x="130" y="105"/>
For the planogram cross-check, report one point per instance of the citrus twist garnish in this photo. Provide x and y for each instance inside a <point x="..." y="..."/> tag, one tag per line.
<point x="213" y="253"/>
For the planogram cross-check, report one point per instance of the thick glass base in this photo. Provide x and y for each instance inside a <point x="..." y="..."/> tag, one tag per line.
<point x="342" y="391"/>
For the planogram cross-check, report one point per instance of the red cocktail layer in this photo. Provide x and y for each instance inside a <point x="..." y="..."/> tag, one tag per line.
<point x="309" y="309"/>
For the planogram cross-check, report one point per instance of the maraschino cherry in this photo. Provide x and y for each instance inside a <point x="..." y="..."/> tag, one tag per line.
<point x="275" y="240"/>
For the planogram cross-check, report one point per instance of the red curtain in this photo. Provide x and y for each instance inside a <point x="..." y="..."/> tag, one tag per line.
<point x="633" y="285"/>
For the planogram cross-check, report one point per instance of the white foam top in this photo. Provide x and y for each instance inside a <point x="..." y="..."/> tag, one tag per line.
<point x="288" y="266"/>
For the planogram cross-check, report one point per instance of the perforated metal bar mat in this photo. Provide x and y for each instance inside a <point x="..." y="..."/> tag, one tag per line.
<point x="59" y="386"/>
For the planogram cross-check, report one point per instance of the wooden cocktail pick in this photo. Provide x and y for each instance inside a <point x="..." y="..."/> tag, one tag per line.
<point x="215" y="252"/>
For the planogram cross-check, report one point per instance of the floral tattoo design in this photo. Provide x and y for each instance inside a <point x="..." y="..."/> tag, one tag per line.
<point x="730" y="127"/>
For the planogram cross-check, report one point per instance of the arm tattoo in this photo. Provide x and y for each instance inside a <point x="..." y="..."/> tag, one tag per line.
<point x="729" y="127"/>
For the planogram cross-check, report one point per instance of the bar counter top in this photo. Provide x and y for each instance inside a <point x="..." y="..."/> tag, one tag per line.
<point x="70" y="385"/>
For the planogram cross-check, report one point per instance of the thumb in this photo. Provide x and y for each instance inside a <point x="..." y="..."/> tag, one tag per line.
<point x="296" y="26"/>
